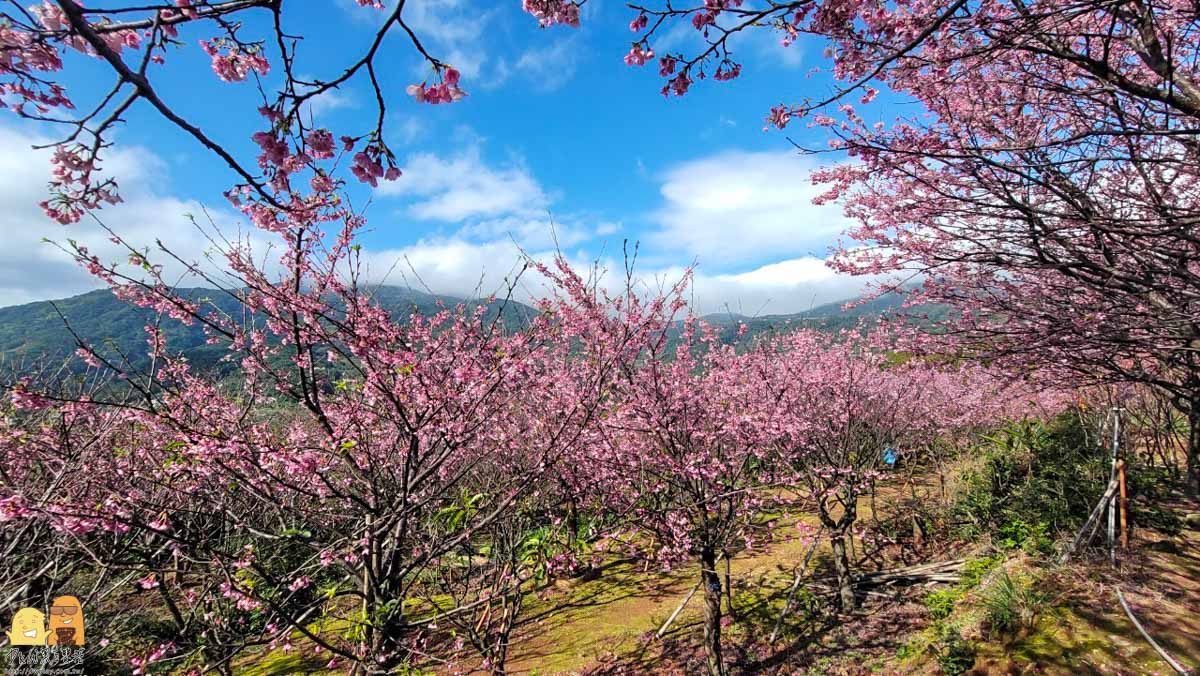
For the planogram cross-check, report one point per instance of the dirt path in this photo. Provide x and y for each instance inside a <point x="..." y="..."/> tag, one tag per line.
<point x="1164" y="593"/>
<point x="608" y="623"/>
<point x="611" y="619"/>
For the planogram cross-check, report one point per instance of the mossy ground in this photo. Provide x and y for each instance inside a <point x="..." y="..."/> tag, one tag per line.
<point x="1087" y="632"/>
<point x="606" y="625"/>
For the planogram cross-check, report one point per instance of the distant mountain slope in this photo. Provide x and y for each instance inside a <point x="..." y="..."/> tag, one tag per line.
<point x="36" y="331"/>
<point x="828" y="317"/>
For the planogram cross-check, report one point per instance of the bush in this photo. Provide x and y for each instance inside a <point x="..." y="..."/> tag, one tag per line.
<point x="1152" y="486"/>
<point x="1011" y="604"/>
<point x="973" y="570"/>
<point x="941" y="603"/>
<point x="1036" y="480"/>
<point x="1032" y="538"/>
<point x="954" y="654"/>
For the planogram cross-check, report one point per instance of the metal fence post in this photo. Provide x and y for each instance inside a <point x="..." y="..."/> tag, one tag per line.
<point x="1112" y="504"/>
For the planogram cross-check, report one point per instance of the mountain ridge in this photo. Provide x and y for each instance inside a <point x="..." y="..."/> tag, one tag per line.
<point x="36" y="331"/>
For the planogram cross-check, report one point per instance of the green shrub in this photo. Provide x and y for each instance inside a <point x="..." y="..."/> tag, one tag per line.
<point x="941" y="603"/>
<point x="973" y="570"/>
<point x="1033" y="538"/>
<point x="954" y="654"/>
<point x="1152" y="485"/>
<point x="1036" y="480"/>
<point x="1011" y="604"/>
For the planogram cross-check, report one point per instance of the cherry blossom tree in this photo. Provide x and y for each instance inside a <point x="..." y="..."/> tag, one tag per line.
<point x="39" y="447"/>
<point x="843" y="401"/>
<point x="360" y="456"/>
<point x="315" y="490"/>
<point x="370" y="480"/>
<point x="248" y="42"/>
<point x="683" y="458"/>
<point x="1045" y="185"/>
<point x="841" y="411"/>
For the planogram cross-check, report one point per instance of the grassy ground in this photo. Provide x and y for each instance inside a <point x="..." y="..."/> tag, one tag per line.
<point x="606" y="625"/>
<point x="610" y="620"/>
<point x="1085" y="630"/>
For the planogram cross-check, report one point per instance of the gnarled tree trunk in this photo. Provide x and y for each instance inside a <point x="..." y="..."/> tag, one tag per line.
<point x="841" y="565"/>
<point x="838" y="529"/>
<point x="711" y="581"/>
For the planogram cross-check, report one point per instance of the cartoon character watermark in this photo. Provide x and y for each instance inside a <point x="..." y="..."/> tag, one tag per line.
<point x="28" y="628"/>
<point x="66" y="622"/>
<point x="35" y="650"/>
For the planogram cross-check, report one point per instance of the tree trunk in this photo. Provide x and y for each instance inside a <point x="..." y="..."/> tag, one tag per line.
<point x="729" y="585"/>
<point x="572" y="518"/>
<point x="841" y="564"/>
<point x="385" y="629"/>
<point x="712" y="611"/>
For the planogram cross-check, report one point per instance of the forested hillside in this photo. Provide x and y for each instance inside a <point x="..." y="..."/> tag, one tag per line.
<point x="37" y="332"/>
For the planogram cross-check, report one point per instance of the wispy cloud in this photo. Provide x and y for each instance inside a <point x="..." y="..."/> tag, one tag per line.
<point x="462" y="267"/>
<point x="552" y="66"/>
<point x="747" y="218"/>
<point x="32" y="269"/>
<point x="456" y="31"/>
<point x="327" y="101"/>
<point x="764" y="44"/>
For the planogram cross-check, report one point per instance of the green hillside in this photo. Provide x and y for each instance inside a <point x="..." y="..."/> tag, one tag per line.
<point x="828" y="317"/>
<point x="37" y="332"/>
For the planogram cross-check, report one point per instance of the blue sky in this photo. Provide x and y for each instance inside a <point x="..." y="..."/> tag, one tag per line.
<point x="555" y="129"/>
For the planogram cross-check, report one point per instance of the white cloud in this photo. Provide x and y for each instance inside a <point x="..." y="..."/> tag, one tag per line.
<point x="452" y="266"/>
<point x="789" y="286"/>
<point x="501" y="71"/>
<point x="486" y="202"/>
<point x="728" y="211"/>
<point x="607" y="228"/>
<point x="31" y="269"/>
<point x="455" y="188"/>
<point x="679" y="36"/>
<point x="461" y="267"/>
<point x="740" y="207"/>
<point x="454" y="32"/>
<point x="326" y="101"/>
<point x="408" y="128"/>
<point x="541" y="232"/>
<point x="766" y="43"/>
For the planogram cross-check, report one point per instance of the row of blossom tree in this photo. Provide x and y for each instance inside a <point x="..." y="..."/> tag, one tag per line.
<point x="370" y="482"/>
<point x="385" y="491"/>
<point x="1044" y="183"/>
